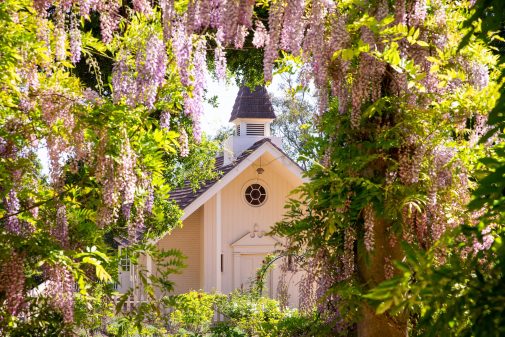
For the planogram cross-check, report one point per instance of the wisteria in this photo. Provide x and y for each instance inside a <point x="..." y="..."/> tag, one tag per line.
<point x="12" y="282"/>
<point x="165" y="120"/>
<point x="193" y="104"/>
<point x="75" y="40"/>
<point x="181" y="44"/>
<point x="183" y="141"/>
<point x="142" y="6"/>
<point x="60" y="36"/>
<point x="274" y="34"/>
<point x="382" y="90"/>
<point x="109" y="18"/>
<point x="369" y="228"/>
<point x="123" y="83"/>
<point x="151" y="68"/>
<point x="260" y="38"/>
<point x="60" y="290"/>
<point x="128" y="178"/>
<point x="292" y="34"/>
<point x="11" y="203"/>
<point x="487" y="240"/>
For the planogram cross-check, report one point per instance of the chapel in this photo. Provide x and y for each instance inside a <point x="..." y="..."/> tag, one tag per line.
<point x="226" y="221"/>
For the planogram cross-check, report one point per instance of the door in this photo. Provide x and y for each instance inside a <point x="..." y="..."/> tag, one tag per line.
<point x="249" y="265"/>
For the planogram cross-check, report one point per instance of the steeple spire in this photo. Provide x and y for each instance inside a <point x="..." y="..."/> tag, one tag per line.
<point x="252" y="104"/>
<point x="252" y="115"/>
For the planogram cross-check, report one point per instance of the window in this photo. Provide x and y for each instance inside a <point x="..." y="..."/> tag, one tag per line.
<point x="238" y="130"/>
<point x="255" y="129"/>
<point x="124" y="262"/>
<point x="255" y="195"/>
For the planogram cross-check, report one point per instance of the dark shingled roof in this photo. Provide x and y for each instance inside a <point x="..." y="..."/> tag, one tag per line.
<point x="252" y="104"/>
<point x="186" y="195"/>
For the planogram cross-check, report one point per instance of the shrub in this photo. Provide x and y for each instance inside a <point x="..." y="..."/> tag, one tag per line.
<point x="193" y="312"/>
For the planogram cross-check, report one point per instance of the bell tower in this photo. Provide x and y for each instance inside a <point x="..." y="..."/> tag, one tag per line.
<point x="252" y="115"/>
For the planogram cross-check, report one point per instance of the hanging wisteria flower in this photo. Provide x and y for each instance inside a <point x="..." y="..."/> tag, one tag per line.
<point x="260" y="38"/>
<point x="149" y="200"/>
<point x="151" y="68"/>
<point x="75" y="40"/>
<point x="293" y="25"/>
<point x="60" y="229"/>
<point x="165" y="120"/>
<point x="123" y="83"/>
<point x="11" y="204"/>
<point x="12" y="282"/>
<point x="193" y="103"/>
<point x="60" y="37"/>
<point x="128" y="177"/>
<point x="369" y="227"/>
<point x="109" y="19"/>
<point x="184" y="143"/>
<point x="348" y="256"/>
<point x="181" y="44"/>
<point x="60" y="290"/>
<point x="271" y="47"/>
<point x="85" y="7"/>
<point x="143" y="6"/>
<point x="487" y="240"/>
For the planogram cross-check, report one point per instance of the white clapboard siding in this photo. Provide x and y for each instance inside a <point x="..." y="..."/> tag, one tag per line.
<point x="187" y="239"/>
<point x="239" y="218"/>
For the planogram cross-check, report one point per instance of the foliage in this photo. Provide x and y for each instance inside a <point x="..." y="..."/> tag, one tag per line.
<point x="459" y="295"/>
<point x="241" y="314"/>
<point x="295" y="110"/>
<point x="396" y="155"/>
<point x="193" y="312"/>
<point x="111" y="163"/>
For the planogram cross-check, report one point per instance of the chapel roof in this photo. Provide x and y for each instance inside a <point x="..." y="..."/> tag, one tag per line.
<point x="252" y="104"/>
<point x="185" y="195"/>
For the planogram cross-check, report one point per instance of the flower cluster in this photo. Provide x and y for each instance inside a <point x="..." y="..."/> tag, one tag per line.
<point x="11" y="203"/>
<point x="487" y="240"/>
<point x="193" y="104"/>
<point x="369" y="228"/>
<point x="151" y="68"/>
<point x="183" y="141"/>
<point x="12" y="282"/>
<point x="60" y="290"/>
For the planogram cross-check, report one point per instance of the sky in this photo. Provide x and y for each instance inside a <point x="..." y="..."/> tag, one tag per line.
<point x="215" y="117"/>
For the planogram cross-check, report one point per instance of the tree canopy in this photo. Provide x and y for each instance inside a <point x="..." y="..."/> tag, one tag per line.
<point x="400" y="225"/>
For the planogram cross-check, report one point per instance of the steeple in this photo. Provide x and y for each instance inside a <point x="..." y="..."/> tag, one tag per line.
<point x="252" y="104"/>
<point x="252" y="115"/>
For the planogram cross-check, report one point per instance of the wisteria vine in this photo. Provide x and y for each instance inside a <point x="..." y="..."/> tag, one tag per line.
<point x="347" y="61"/>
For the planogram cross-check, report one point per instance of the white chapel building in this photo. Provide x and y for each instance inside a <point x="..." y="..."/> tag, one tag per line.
<point x="225" y="222"/>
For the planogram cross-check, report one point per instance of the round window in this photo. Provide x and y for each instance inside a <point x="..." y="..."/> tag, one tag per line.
<point x="255" y="195"/>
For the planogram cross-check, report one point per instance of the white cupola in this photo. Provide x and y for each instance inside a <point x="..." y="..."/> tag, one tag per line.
<point x="252" y="115"/>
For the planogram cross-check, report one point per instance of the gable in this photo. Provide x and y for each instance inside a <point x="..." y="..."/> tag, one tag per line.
<point x="275" y="157"/>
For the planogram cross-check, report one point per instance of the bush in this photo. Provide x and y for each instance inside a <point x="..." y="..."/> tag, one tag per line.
<point x="244" y="314"/>
<point x="193" y="313"/>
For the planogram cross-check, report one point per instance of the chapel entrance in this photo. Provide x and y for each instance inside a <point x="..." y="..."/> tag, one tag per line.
<point x="249" y="252"/>
<point x="249" y="265"/>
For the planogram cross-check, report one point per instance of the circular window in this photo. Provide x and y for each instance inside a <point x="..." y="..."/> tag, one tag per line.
<point x="255" y="195"/>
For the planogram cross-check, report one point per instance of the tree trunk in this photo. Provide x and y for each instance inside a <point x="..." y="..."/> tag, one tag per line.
<point x="371" y="270"/>
<point x="373" y="325"/>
